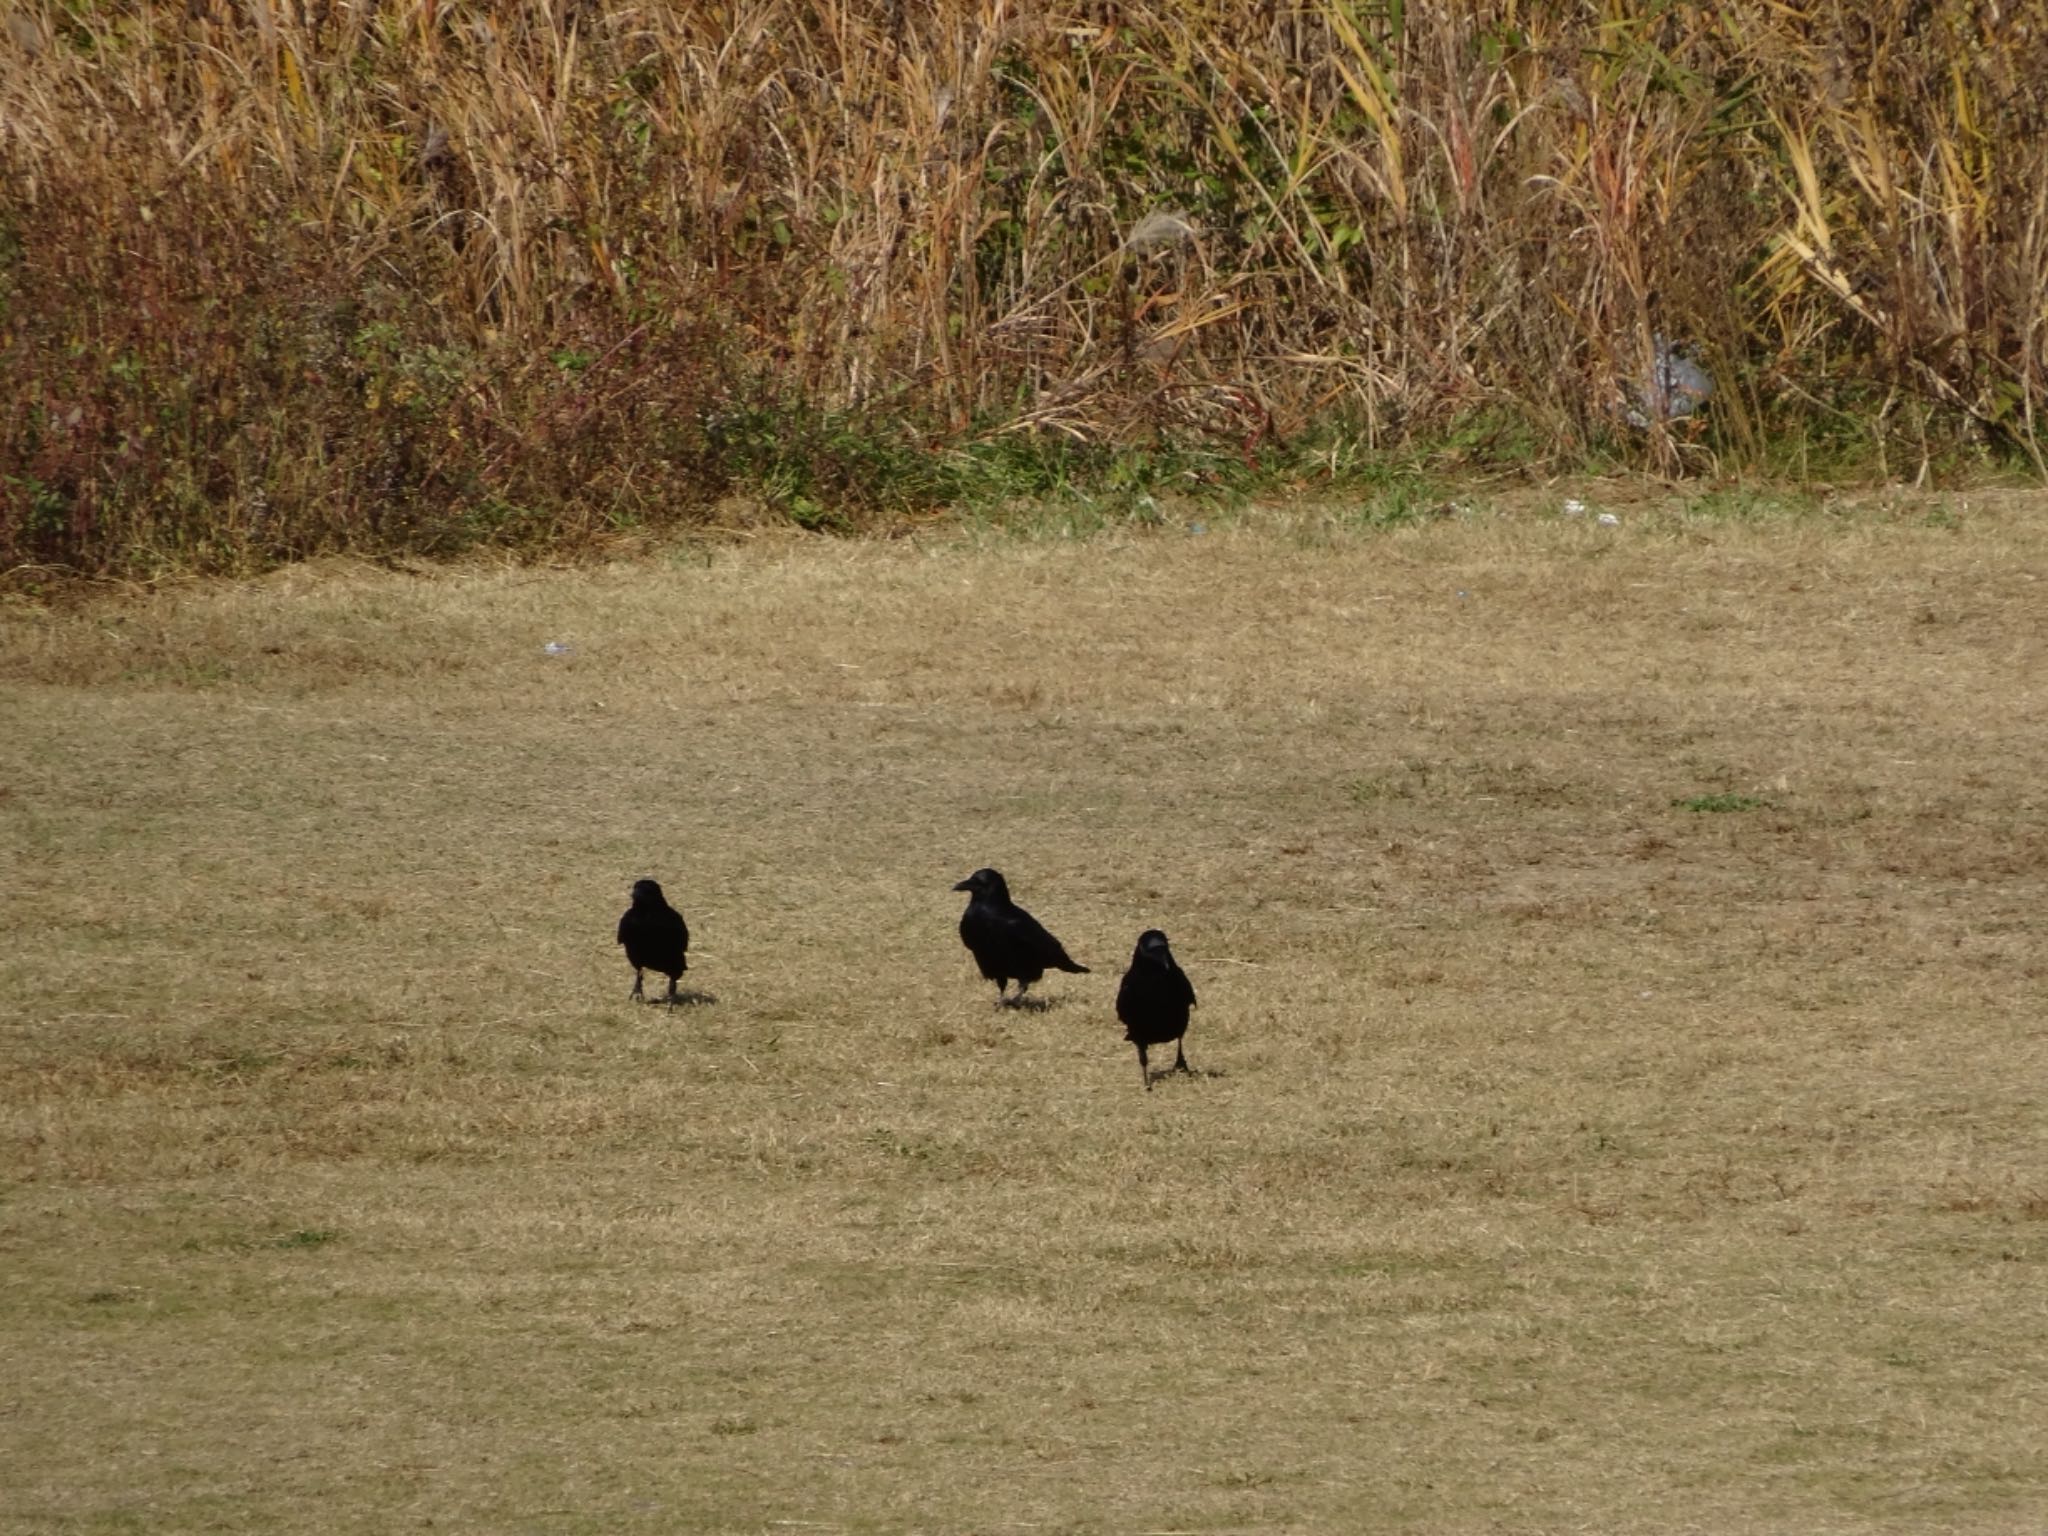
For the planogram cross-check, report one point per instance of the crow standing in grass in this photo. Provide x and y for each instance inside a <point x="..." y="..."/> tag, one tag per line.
<point x="1007" y="942"/>
<point x="1154" y="1000"/>
<point x="655" y="937"/>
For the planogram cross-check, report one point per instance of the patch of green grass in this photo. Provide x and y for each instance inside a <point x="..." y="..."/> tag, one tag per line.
<point x="1370" y="791"/>
<point x="1721" y="804"/>
<point x="836" y="471"/>
<point x="823" y="469"/>
<point x="1750" y="504"/>
<point x="1399" y="503"/>
<point x="1492" y="435"/>
<point x="306" y="1237"/>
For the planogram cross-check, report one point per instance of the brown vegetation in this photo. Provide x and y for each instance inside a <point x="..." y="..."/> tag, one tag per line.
<point x="1620" y="971"/>
<point x="277" y="278"/>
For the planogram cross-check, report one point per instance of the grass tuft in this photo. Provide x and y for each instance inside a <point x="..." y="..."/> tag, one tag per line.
<point x="1721" y="804"/>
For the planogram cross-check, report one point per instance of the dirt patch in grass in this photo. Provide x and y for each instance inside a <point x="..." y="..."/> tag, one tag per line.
<point x="1621" y="1100"/>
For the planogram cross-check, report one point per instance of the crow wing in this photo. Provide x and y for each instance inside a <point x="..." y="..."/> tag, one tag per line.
<point x="1028" y="938"/>
<point x="1008" y="941"/>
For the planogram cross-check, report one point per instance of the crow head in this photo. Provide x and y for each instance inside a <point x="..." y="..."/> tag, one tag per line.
<point x="1152" y="949"/>
<point x="647" y="894"/>
<point x="986" y="885"/>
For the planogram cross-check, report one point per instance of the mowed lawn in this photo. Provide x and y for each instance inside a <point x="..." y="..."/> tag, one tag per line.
<point x="1624" y="1062"/>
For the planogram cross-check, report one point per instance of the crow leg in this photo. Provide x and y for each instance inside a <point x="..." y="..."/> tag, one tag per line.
<point x="636" y="992"/>
<point x="1180" y="1060"/>
<point x="1144" y="1071"/>
<point x="671" y="991"/>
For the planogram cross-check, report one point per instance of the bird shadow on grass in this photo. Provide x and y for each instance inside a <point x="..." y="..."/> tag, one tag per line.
<point x="686" y="997"/>
<point x="1164" y="1073"/>
<point x="1029" y="1004"/>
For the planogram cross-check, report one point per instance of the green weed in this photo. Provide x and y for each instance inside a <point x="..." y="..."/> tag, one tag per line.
<point x="1721" y="804"/>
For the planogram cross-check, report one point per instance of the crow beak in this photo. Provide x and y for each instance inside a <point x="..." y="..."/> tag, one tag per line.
<point x="964" y="885"/>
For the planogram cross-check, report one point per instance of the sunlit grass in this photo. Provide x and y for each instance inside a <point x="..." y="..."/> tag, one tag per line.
<point x="1563" y="1159"/>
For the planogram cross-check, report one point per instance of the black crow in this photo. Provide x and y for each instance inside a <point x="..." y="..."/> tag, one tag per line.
<point x="1007" y="941"/>
<point x="655" y="937"/>
<point x="1154" y="1000"/>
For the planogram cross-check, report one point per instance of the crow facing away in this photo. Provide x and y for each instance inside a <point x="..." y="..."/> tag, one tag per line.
<point x="1154" y="1000"/>
<point x="1007" y="942"/>
<point x="655" y="937"/>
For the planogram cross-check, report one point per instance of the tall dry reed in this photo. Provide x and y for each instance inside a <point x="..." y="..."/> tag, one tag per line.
<point x="281" y="277"/>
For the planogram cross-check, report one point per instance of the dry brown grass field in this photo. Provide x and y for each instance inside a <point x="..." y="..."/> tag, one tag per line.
<point x="1621" y="1039"/>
